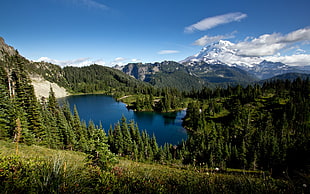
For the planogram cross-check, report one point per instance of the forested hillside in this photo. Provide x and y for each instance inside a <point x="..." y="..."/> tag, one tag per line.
<point x="88" y="79"/>
<point x="187" y="76"/>
<point x="258" y="127"/>
<point x="97" y="78"/>
<point x="165" y="74"/>
<point x="24" y="119"/>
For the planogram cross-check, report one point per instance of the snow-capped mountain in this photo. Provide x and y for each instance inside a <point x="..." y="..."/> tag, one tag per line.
<point x="225" y="53"/>
<point x="268" y="69"/>
<point x="222" y="52"/>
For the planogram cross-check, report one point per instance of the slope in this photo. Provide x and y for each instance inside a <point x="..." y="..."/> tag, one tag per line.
<point x="97" y="78"/>
<point x="225" y="53"/>
<point x="164" y="74"/>
<point x="219" y="73"/>
<point x="41" y="170"/>
<point x="90" y="79"/>
<point x="187" y="76"/>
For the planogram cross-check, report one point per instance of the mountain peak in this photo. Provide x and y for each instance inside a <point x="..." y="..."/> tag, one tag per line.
<point x="225" y="43"/>
<point x="222" y="52"/>
<point x="6" y="49"/>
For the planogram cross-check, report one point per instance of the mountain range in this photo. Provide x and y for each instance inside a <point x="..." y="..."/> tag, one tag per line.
<point x="224" y="53"/>
<point x="44" y="76"/>
<point x="214" y="66"/>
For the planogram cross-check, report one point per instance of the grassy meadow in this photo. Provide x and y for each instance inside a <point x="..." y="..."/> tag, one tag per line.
<point x="36" y="169"/>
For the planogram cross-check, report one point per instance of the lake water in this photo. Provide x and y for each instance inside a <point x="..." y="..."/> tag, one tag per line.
<point x="167" y="127"/>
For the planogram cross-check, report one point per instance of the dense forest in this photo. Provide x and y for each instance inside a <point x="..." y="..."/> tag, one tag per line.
<point x="262" y="128"/>
<point x="258" y="127"/>
<point x="255" y="127"/>
<point x="24" y="119"/>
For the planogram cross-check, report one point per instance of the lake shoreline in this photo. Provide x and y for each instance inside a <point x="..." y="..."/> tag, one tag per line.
<point x="105" y="110"/>
<point x="121" y="99"/>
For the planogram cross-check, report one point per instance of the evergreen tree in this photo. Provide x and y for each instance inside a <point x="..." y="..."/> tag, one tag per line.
<point x="80" y="131"/>
<point x="5" y="114"/>
<point x="126" y="137"/>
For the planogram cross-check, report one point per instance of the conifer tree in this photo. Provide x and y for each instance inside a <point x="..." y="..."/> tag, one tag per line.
<point x="126" y="137"/>
<point x="80" y="130"/>
<point x="5" y="114"/>
<point x="118" y="140"/>
<point x="70" y="138"/>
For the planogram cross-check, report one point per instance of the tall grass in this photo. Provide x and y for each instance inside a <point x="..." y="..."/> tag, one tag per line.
<point x="41" y="170"/>
<point x="149" y="178"/>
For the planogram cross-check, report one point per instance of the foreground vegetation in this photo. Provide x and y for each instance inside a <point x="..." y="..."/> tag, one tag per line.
<point x="37" y="169"/>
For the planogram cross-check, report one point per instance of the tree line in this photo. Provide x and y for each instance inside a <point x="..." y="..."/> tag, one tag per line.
<point x="25" y="119"/>
<point x="259" y="127"/>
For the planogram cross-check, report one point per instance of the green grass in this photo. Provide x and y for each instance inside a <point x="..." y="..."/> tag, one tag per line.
<point x="34" y="151"/>
<point x="41" y="170"/>
<point x="155" y="178"/>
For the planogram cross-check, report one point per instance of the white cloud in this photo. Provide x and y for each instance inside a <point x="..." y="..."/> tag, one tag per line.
<point x="300" y="51"/>
<point x="165" y="52"/>
<point x="75" y="62"/>
<point x="211" y="39"/>
<point x="270" y="44"/>
<point x="292" y="60"/>
<point x="92" y="4"/>
<point x="119" y="59"/>
<point x="122" y="61"/>
<point x="135" y="60"/>
<point x="212" y="22"/>
<point x="99" y="62"/>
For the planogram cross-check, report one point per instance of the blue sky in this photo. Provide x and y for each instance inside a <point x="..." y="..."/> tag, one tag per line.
<point x="108" y="32"/>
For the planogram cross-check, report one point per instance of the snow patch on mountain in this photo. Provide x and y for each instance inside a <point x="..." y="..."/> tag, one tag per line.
<point x="222" y="52"/>
<point x="227" y="53"/>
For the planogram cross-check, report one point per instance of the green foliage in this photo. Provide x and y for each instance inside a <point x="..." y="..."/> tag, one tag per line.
<point x="42" y="170"/>
<point x="48" y="71"/>
<point x="159" y="100"/>
<point x="165" y="74"/>
<point x="59" y="172"/>
<point x="184" y="77"/>
<point x="96" y="78"/>
<point x="46" y="122"/>
<point x="126" y="140"/>
<point x="135" y="177"/>
<point x="257" y="127"/>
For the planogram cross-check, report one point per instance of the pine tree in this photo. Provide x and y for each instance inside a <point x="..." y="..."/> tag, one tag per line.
<point x="118" y="140"/>
<point x="126" y="137"/>
<point x="80" y="130"/>
<point x="5" y="114"/>
<point x="70" y="138"/>
<point x="155" y="148"/>
<point x="102" y="156"/>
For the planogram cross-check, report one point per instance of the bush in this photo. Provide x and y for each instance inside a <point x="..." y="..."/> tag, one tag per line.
<point x="51" y="175"/>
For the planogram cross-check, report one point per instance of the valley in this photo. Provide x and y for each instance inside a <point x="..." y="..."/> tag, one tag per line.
<point x="243" y="133"/>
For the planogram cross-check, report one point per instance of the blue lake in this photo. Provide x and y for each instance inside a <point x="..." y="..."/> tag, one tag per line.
<point x="167" y="127"/>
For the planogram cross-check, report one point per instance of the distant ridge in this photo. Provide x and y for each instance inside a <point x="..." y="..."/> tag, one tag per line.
<point x="44" y="75"/>
<point x="6" y="49"/>
<point x="223" y="53"/>
<point x="288" y="76"/>
<point x="187" y="76"/>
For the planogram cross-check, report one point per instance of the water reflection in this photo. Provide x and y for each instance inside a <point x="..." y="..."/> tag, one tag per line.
<point x="167" y="127"/>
